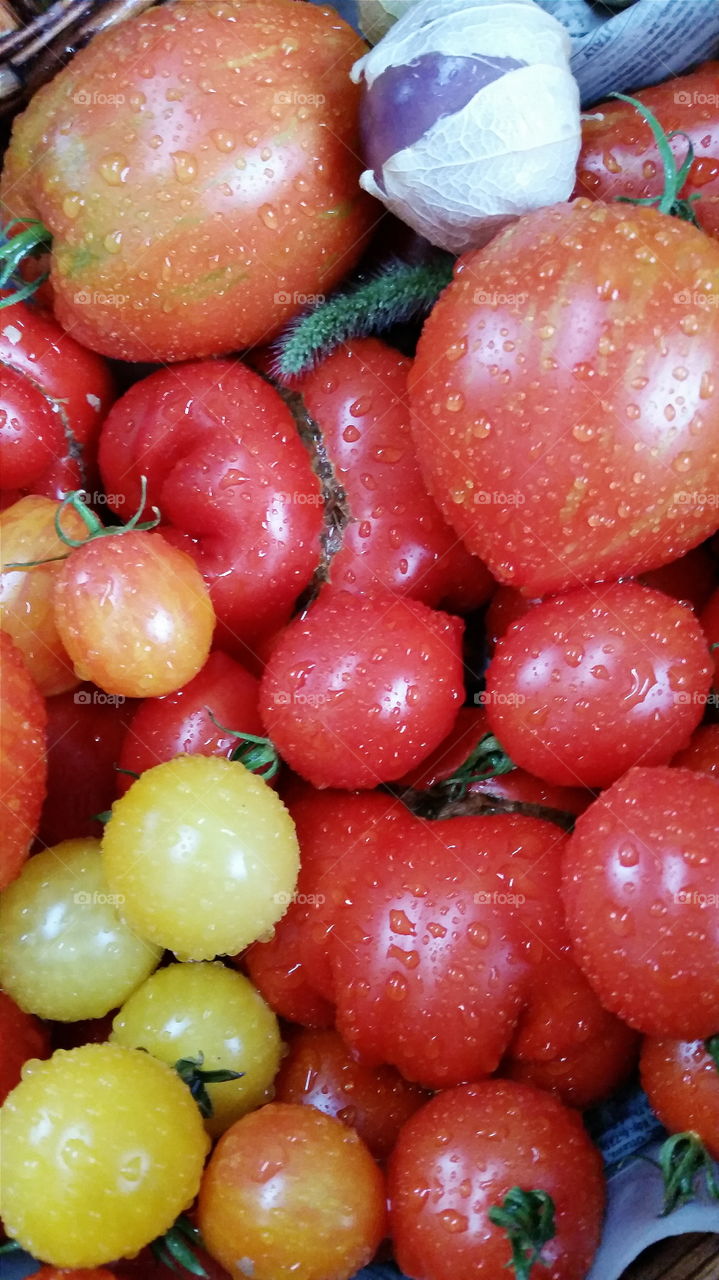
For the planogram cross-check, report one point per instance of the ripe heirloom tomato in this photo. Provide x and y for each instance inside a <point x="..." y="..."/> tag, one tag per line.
<point x="29" y="537"/>
<point x="186" y="1010"/>
<point x="359" y="689"/>
<point x="588" y="684"/>
<point x="54" y="395"/>
<point x="102" y="1148"/>
<point x="133" y="614"/>
<point x="291" y="1194"/>
<point x="396" y="539"/>
<point x="21" y="1037"/>
<point x="319" y="1071"/>
<point x="23" y="763"/>
<point x="227" y="469"/>
<point x="232" y="202"/>
<point x="181" y="723"/>
<point x="65" y="952"/>
<point x="458" y="1158"/>
<point x="620" y="157"/>
<point x="564" y="403"/>
<point x="641" y="889"/>
<point x="681" y="1080"/>
<point x="204" y="854"/>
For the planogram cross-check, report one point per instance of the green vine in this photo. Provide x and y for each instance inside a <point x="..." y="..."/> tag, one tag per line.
<point x="670" y="201"/>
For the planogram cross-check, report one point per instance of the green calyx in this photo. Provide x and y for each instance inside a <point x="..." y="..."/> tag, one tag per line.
<point x="712" y="1047"/>
<point x="670" y="201"/>
<point x="682" y="1159"/>
<point x="13" y="250"/>
<point x="194" y="1075"/>
<point x="487" y="760"/>
<point x="527" y="1217"/>
<point x="94" y="526"/>
<point x="258" y="755"/>
<point x="398" y="293"/>
<point x="176" y="1248"/>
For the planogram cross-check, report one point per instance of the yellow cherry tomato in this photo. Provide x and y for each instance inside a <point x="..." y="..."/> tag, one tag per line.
<point x="190" y="1009"/>
<point x="65" y="953"/>
<point x="204" y="854"/>
<point x="102" y="1148"/>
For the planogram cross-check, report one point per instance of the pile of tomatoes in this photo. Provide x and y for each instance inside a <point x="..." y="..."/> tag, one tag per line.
<point x="359" y="755"/>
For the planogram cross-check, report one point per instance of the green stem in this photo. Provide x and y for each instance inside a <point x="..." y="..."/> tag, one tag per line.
<point x="487" y="760"/>
<point x="94" y="526"/>
<point x="259" y="755"/>
<point x="13" y="250"/>
<point x="527" y="1217"/>
<point x="669" y="201"/>
<point x="712" y="1047"/>
<point x="193" y="1074"/>
<point x="400" y="292"/>
<point x="177" y="1247"/>
<point x="682" y="1159"/>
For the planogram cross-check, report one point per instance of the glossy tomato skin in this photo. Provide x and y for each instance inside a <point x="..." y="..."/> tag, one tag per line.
<point x="23" y="760"/>
<point x="599" y="435"/>
<point x="85" y="731"/>
<point x="681" y="1080"/>
<point x="54" y="394"/>
<point x="396" y="539"/>
<point x="359" y="689"/>
<point x="133" y="614"/>
<point x="692" y="578"/>
<point x="250" y="205"/>
<point x="640" y="884"/>
<point x="22" y="1037"/>
<point x="433" y="949"/>
<point x="619" y="155"/>
<point x="320" y="1071"/>
<point x="188" y="721"/>
<point x="702" y="753"/>
<point x="29" y="536"/>
<point x="460" y="1155"/>
<point x="587" y="1074"/>
<point x="291" y="1193"/>
<point x="588" y="684"/>
<point x="227" y="469"/>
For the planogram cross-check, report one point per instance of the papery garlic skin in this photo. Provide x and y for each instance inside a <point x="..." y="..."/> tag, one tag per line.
<point x="510" y="148"/>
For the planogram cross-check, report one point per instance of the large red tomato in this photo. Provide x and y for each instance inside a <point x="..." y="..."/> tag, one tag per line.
<point x="564" y="397"/>
<point x="197" y="166"/>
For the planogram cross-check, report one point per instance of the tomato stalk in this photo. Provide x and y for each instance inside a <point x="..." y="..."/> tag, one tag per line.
<point x="669" y="201"/>
<point x="176" y="1248"/>
<point x="527" y="1217"/>
<point x="712" y="1047"/>
<point x="487" y="760"/>
<point x="13" y="250"/>
<point x="259" y="755"/>
<point x="193" y="1074"/>
<point x="95" y="527"/>
<point x="399" y="293"/>
<point x="682" y="1159"/>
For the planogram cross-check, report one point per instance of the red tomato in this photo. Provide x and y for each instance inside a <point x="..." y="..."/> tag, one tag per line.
<point x="458" y="1158"/>
<point x="319" y="1071"/>
<point x="588" y="1073"/>
<point x="507" y="605"/>
<point x="187" y="722"/>
<point x="588" y="684"/>
<point x="620" y="157"/>
<point x="54" y="395"/>
<point x="359" y="690"/>
<point x="62" y="1273"/>
<point x="21" y="1037"/>
<point x="23" y="765"/>
<point x="396" y="539"/>
<point x="29" y="537"/>
<point x="289" y="1192"/>
<point x="85" y="731"/>
<point x="691" y="578"/>
<point x="563" y="439"/>
<point x="710" y="623"/>
<point x="226" y="467"/>
<point x="702" y="754"/>
<point x="641" y="888"/>
<point x="233" y="201"/>
<point x="133" y="614"/>
<point x="681" y="1080"/>
<point x="433" y="948"/>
